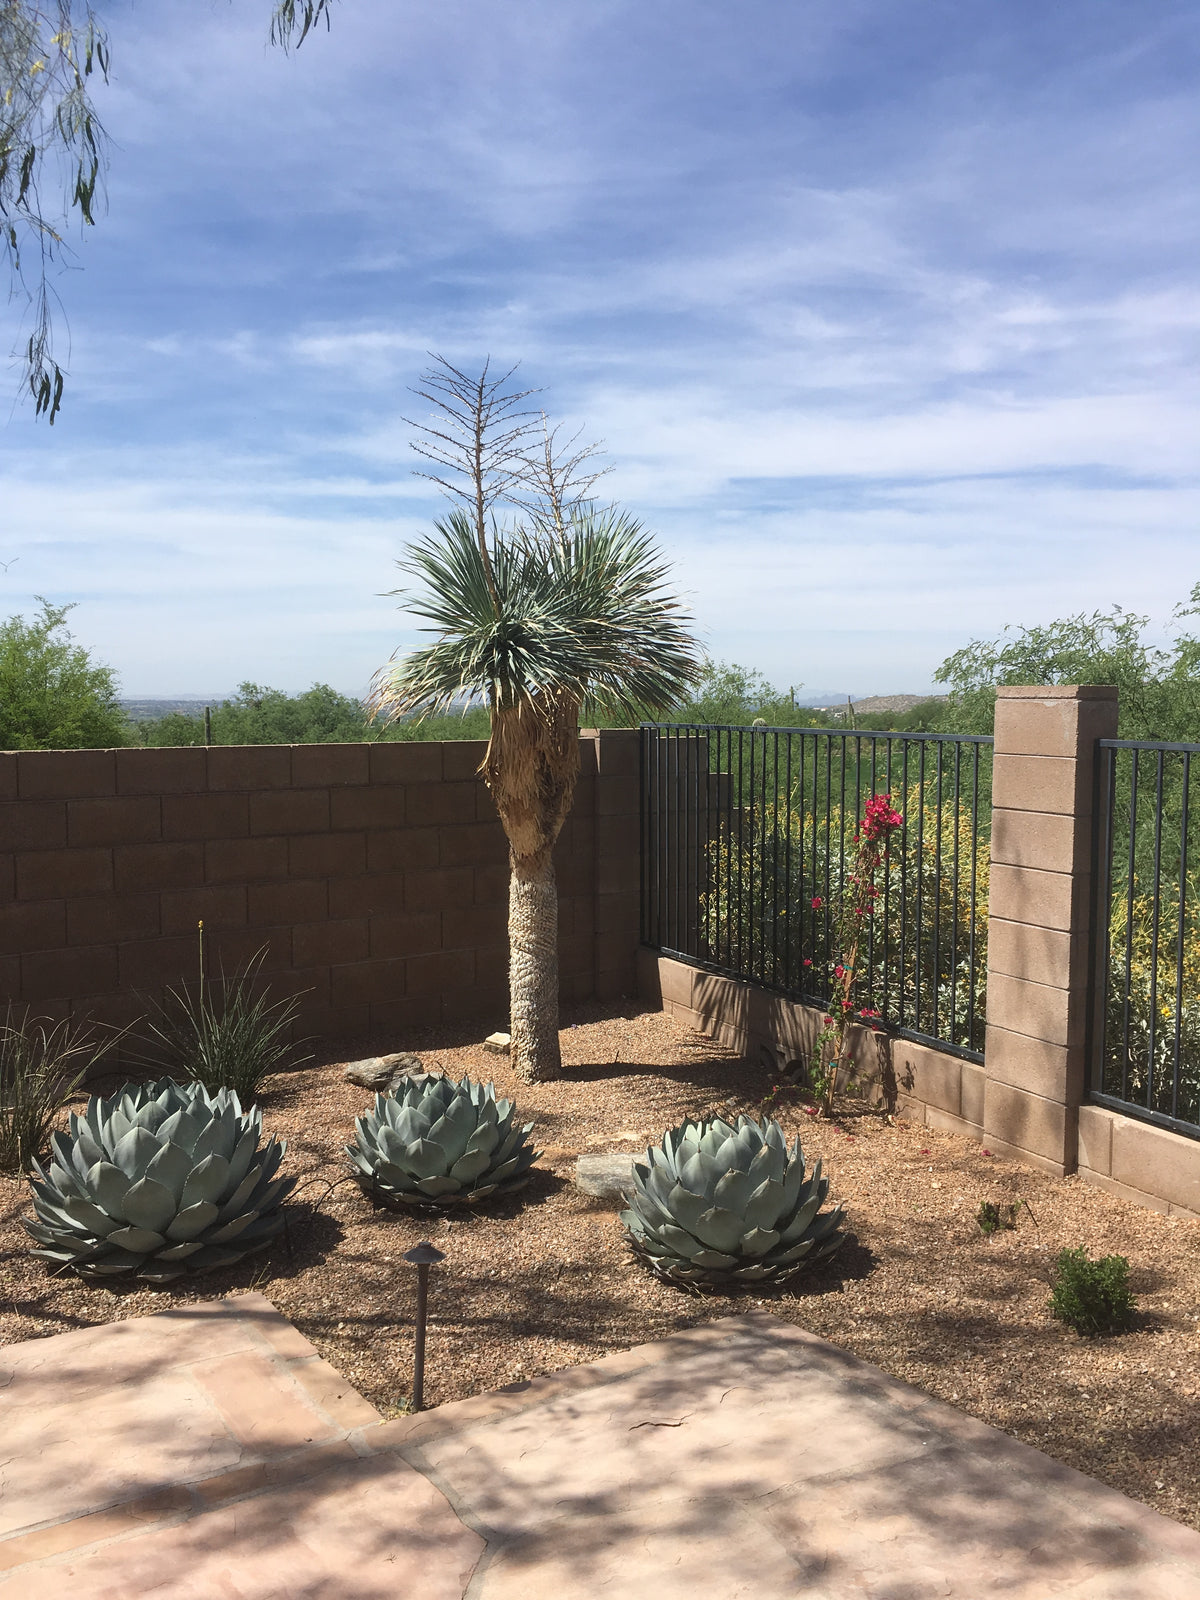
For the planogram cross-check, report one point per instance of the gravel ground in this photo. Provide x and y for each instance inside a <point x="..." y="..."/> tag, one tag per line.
<point x="541" y="1280"/>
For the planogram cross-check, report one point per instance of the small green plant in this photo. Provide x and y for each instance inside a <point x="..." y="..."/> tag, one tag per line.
<point x="42" y="1064"/>
<point x="992" y="1217"/>
<point x="1092" y="1296"/>
<point x="227" y="1033"/>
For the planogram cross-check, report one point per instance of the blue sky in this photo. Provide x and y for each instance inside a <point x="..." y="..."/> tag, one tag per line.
<point x="888" y="315"/>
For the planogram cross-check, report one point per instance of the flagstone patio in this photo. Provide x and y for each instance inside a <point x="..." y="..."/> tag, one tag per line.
<point x="208" y="1451"/>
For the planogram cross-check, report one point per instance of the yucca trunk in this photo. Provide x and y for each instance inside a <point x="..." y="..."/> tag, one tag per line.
<point x="531" y="767"/>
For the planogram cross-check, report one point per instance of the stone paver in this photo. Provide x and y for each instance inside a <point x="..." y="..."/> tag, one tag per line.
<point x="208" y="1451"/>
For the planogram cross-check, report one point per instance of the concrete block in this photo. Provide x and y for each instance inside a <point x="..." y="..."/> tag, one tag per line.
<point x="1155" y="1159"/>
<point x="1037" y="1010"/>
<point x="217" y="905"/>
<point x="329" y="943"/>
<point x="405" y="933"/>
<point x="408" y="761"/>
<point x="65" y="774"/>
<point x="205" y="816"/>
<point x="380" y="805"/>
<point x="60" y="874"/>
<point x="325" y="855"/>
<point x="280" y="904"/>
<point x="1036" y="1066"/>
<point x="1037" y="783"/>
<point x="1042" y="955"/>
<point x="36" y="825"/>
<point x="1029" y="1124"/>
<point x="1041" y="839"/>
<point x="370" y="895"/>
<point x="1095" y="1138"/>
<point x="436" y="804"/>
<point x="1046" y="899"/>
<point x="112" y="918"/>
<point x="936" y="1078"/>
<point x="33" y="925"/>
<point x="162" y="772"/>
<point x="242" y="860"/>
<point x="250" y="767"/>
<point x="462" y="759"/>
<point x="395" y="849"/>
<point x="285" y="811"/>
<point x="327" y="764"/>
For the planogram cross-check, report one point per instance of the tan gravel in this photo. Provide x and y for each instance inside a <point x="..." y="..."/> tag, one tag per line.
<point x="541" y="1280"/>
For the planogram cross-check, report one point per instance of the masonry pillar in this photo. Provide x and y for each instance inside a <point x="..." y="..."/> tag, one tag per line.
<point x="1039" y="906"/>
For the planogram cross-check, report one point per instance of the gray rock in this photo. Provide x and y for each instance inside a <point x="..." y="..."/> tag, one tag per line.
<point x="607" y="1177"/>
<point x="383" y="1072"/>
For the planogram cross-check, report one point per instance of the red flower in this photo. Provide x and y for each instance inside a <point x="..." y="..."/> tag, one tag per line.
<point x="829" y="1022"/>
<point x="839" y="972"/>
<point x="807" y="961"/>
<point x="816" y="905"/>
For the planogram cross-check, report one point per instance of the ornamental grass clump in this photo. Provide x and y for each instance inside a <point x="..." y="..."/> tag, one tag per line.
<point x="225" y="1033"/>
<point x="717" y="1204"/>
<point x="155" y="1181"/>
<point x="42" y="1064"/>
<point x="434" y="1142"/>
<point x="1092" y="1296"/>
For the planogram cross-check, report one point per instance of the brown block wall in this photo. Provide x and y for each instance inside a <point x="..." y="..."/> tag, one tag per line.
<point x="375" y="876"/>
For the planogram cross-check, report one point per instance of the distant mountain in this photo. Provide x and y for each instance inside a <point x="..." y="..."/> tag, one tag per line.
<point x="870" y="703"/>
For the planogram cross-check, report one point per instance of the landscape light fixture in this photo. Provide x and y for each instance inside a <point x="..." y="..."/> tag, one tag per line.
<point x="422" y="1257"/>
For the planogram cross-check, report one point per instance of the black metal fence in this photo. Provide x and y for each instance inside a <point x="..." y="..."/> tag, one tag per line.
<point x="1146" y="1016"/>
<point x="748" y="851"/>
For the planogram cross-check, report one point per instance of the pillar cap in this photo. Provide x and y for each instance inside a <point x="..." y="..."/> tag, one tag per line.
<point x="1057" y="691"/>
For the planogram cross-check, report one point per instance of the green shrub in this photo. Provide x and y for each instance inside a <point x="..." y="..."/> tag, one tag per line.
<point x="1092" y="1296"/>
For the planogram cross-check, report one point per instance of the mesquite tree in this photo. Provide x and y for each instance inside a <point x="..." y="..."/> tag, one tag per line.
<point x="563" y="604"/>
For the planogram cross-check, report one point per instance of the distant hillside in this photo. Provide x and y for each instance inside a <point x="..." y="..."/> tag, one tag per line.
<point x="871" y="704"/>
<point x="150" y="710"/>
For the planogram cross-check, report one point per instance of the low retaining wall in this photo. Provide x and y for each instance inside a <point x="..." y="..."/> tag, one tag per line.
<point x="1131" y="1158"/>
<point x="926" y="1084"/>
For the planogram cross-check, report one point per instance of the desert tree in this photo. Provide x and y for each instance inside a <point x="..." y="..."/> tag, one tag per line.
<point x="561" y="604"/>
<point x="53" y="153"/>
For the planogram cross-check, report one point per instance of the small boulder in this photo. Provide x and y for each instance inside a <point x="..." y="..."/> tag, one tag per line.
<point x="606" y="1177"/>
<point x="383" y="1073"/>
<point x="498" y="1043"/>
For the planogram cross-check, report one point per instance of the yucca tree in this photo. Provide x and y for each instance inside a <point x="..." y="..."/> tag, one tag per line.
<point x="535" y="621"/>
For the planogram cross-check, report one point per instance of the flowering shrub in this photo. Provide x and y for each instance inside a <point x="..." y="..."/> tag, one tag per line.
<point x="860" y="895"/>
<point x="771" y="896"/>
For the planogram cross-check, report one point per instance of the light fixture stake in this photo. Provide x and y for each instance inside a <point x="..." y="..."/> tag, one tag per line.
<point x="422" y="1257"/>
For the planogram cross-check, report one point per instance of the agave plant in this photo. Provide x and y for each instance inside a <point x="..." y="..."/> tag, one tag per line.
<point x="432" y="1141"/>
<point x="716" y="1203"/>
<point x="158" y="1180"/>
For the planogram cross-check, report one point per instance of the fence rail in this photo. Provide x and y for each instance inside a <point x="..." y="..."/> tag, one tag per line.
<point x="748" y="844"/>
<point x="1146" y="961"/>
